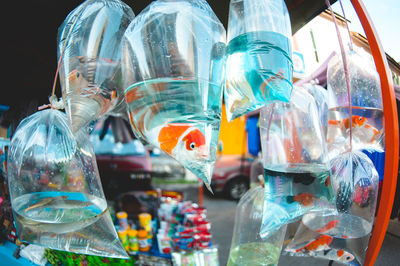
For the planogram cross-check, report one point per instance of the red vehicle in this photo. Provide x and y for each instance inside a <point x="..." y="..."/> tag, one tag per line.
<point x="122" y="167"/>
<point x="231" y="176"/>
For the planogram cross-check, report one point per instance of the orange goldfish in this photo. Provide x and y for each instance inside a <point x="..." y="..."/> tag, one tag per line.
<point x="183" y="142"/>
<point x="306" y="199"/>
<point x="357" y="121"/>
<point x="328" y="226"/>
<point x="362" y="129"/>
<point x="319" y="244"/>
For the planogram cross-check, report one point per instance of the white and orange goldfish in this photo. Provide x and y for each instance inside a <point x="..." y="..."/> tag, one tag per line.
<point x="183" y="142"/>
<point x="320" y="244"/>
<point x="336" y="255"/>
<point x="361" y="129"/>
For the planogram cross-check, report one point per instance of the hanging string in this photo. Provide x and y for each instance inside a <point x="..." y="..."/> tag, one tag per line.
<point x="347" y="26"/>
<point x="346" y="72"/>
<point x="59" y="64"/>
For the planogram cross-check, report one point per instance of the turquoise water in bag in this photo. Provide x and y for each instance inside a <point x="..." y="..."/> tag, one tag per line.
<point x="179" y="102"/>
<point x="292" y="192"/>
<point x="258" y="71"/>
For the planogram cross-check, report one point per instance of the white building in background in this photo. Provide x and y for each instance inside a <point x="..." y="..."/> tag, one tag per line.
<point x="315" y="42"/>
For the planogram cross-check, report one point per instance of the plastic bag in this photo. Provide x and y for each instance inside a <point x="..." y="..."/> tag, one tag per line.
<point x="90" y="73"/>
<point x="248" y="248"/>
<point x="343" y="237"/>
<point x="366" y="100"/>
<point x="173" y="72"/>
<point x="320" y="95"/>
<point x="55" y="188"/>
<point x="296" y="169"/>
<point x="259" y="56"/>
<point x="34" y="253"/>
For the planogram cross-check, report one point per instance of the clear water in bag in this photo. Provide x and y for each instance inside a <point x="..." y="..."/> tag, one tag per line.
<point x="173" y="73"/>
<point x="55" y="188"/>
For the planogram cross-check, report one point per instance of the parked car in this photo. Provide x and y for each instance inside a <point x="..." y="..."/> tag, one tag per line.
<point x="231" y="176"/>
<point x="122" y="167"/>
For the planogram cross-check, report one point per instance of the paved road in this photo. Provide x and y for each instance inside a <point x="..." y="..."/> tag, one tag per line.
<point x="221" y="213"/>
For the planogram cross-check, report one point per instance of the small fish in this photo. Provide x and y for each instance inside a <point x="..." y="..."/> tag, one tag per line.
<point x="327" y="227"/>
<point x="338" y="255"/>
<point x="319" y="244"/>
<point x="263" y="87"/>
<point x="327" y="181"/>
<point x="183" y="141"/>
<point x="59" y="202"/>
<point x="76" y="81"/>
<point x="305" y="199"/>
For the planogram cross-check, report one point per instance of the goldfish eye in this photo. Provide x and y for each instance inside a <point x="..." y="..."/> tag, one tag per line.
<point x="360" y="118"/>
<point x="192" y="145"/>
<point x="77" y="74"/>
<point x="348" y="258"/>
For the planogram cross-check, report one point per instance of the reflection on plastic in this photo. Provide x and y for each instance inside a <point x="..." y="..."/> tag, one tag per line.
<point x="55" y="188"/>
<point x="90" y="74"/>
<point x="173" y="72"/>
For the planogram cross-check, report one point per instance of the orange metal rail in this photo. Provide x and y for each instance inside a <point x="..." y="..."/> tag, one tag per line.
<point x="391" y="135"/>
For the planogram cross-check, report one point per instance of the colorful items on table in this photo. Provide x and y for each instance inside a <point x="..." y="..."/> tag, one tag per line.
<point x="133" y="241"/>
<point x="123" y="237"/>
<point x="144" y="245"/>
<point x="184" y="225"/>
<point x="122" y="220"/>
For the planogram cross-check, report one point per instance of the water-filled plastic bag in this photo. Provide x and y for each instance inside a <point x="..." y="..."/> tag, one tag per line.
<point x="343" y="237"/>
<point x="248" y="248"/>
<point x="366" y="105"/>
<point x="173" y="72"/>
<point x="55" y="189"/>
<point x="296" y="168"/>
<point x="259" y="56"/>
<point x="89" y="42"/>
